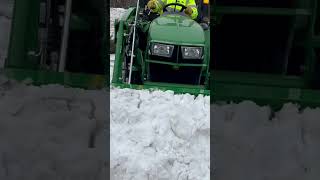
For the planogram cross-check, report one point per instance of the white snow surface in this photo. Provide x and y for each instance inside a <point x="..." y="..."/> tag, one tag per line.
<point x="253" y="143"/>
<point x="159" y="135"/>
<point x="44" y="132"/>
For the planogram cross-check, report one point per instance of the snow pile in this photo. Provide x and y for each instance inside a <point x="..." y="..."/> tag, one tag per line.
<point x="159" y="135"/>
<point x="311" y="141"/>
<point x="253" y="143"/>
<point x="46" y="132"/>
<point x="115" y="13"/>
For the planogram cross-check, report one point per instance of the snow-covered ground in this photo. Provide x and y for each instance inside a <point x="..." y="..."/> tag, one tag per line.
<point x="45" y="132"/>
<point x="253" y="143"/>
<point x="159" y="135"/>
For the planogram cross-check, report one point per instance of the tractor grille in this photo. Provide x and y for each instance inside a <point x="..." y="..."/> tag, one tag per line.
<point x="183" y="75"/>
<point x="176" y="57"/>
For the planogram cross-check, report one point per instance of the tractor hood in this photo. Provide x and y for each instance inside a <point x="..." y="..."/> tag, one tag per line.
<point x="176" y="29"/>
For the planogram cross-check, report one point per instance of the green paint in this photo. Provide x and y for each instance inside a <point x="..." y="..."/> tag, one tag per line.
<point x="24" y="37"/>
<point x="168" y="29"/>
<point x="175" y="29"/>
<point x="265" y="95"/>
<point x="273" y="89"/>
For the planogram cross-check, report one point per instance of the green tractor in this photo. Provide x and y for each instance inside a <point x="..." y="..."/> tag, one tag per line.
<point x="167" y="52"/>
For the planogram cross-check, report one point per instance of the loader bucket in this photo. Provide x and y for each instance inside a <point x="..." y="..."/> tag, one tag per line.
<point x="266" y="51"/>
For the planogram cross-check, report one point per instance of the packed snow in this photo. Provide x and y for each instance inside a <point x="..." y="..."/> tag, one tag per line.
<point x="254" y="143"/>
<point x="49" y="132"/>
<point x="159" y="135"/>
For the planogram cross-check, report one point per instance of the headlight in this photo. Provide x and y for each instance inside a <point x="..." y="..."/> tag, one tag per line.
<point x="162" y="50"/>
<point x="191" y="52"/>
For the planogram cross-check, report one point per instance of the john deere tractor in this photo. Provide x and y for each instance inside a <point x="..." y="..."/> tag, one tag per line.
<point x="167" y="52"/>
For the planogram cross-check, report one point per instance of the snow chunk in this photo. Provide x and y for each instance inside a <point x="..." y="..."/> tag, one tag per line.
<point x="159" y="135"/>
